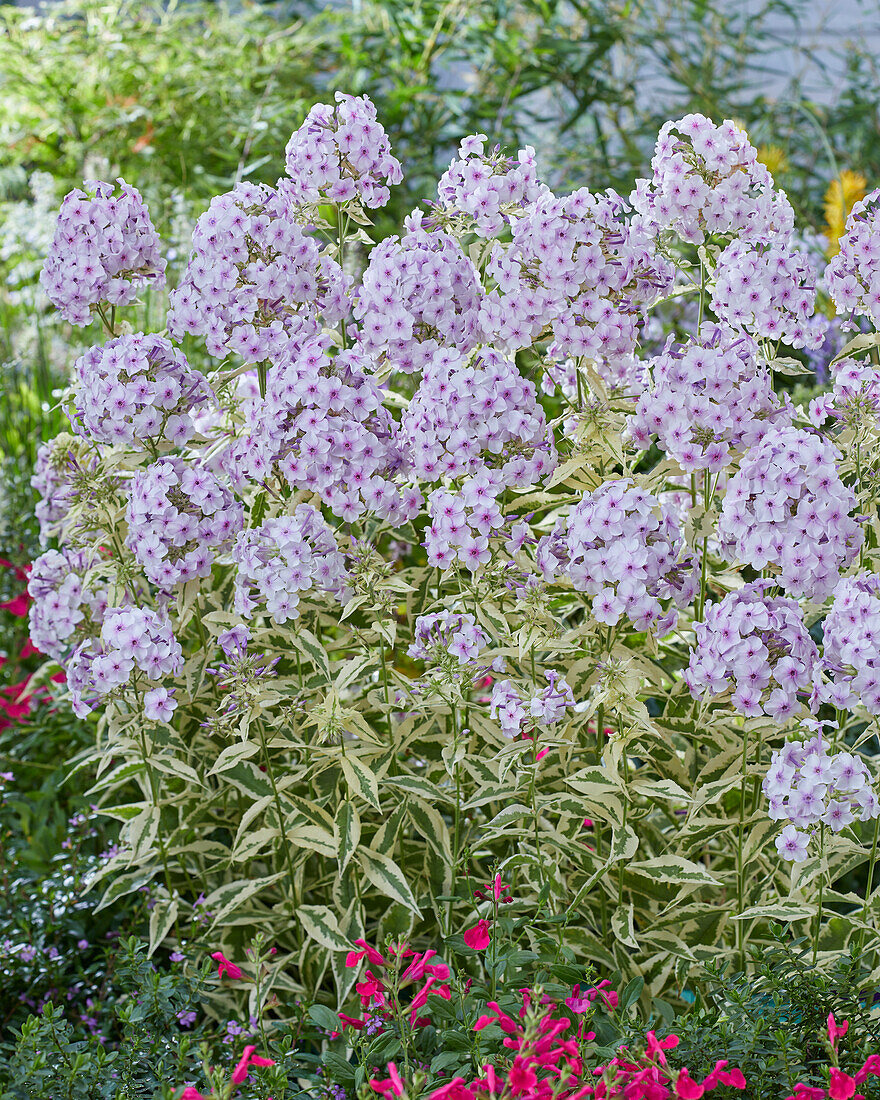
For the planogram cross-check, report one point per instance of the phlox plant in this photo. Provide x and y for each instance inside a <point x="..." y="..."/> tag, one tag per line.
<point x="392" y="565"/>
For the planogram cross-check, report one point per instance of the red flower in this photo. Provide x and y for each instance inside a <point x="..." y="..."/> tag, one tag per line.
<point x="494" y="890"/>
<point x="842" y="1086"/>
<point x="248" y="1059"/>
<point x="521" y="1077"/>
<point x="686" y="1087"/>
<point x="225" y="966"/>
<point x="455" y="1090"/>
<point x="350" y="1021"/>
<point x="392" y="1084"/>
<point x="836" y="1031"/>
<point x="190" y="1093"/>
<point x="477" y="937"/>
<point x="353" y="958"/>
<point x="871" y="1066"/>
<point x="17" y="606"/>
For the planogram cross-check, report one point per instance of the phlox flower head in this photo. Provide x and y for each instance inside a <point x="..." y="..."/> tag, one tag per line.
<point x="105" y="249"/>
<point x="468" y="415"/>
<point x="769" y="291"/>
<point x="447" y="633"/>
<point x="283" y="557"/>
<point x="255" y="280"/>
<point x="54" y="479"/>
<point x="137" y="387"/>
<point x="419" y="293"/>
<point x="179" y="516"/>
<point x="706" y="399"/>
<point x="322" y="426"/>
<point x="854" y="399"/>
<point x="512" y="710"/>
<point x="483" y="192"/>
<point x="64" y="606"/>
<point x="853" y="275"/>
<point x="620" y="546"/>
<point x="577" y="270"/>
<point x="132" y="639"/>
<point x="756" y="646"/>
<point x="463" y="522"/>
<point x="787" y="507"/>
<point x="707" y="179"/>
<point x="806" y="785"/>
<point x="342" y="153"/>
<point x="851" y="645"/>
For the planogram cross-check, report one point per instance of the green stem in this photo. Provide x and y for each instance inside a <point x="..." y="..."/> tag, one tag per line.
<point x="277" y="799"/>
<point x="740" y="869"/>
<point x="821" y="894"/>
<point x="869" y="885"/>
<point x="160" y="839"/>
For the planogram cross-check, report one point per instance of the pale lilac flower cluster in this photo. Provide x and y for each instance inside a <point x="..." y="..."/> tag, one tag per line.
<point x="853" y="275"/>
<point x="769" y="289"/>
<point x="708" y="180"/>
<point x="487" y="190"/>
<point x="419" y="293"/>
<point x="63" y="605"/>
<point x="851" y="634"/>
<point x="255" y="279"/>
<point x="625" y="375"/>
<point x="132" y="639"/>
<point x="284" y="557"/>
<point x="620" y="546"/>
<point x="53" y="480"/>
<point x="757" y="646"/>
<point x="179" y="516"/>
<point x="807" y="785"/>
<point x="575" y="267"/>
<point x="468" y="415"/>
<point x="137" y="387"/>
<point x="462" y="523"/>
<point x="323" y="427"/>
<point x="104" y="250"/>
<point x="342" y="153"/>
<point x="855" y="396"/>
<point x="707" y="398"/>
<point x="511" y="710"/>
<point x="787" y="507"/>
<point x="447" y="632"/>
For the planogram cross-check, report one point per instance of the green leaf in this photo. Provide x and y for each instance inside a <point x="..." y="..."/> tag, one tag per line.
<point x="347" y="831"/>
<point x="232" y="895"/>
<point x="782" y="911"/>
<point x="306" y="642"/>
<point x="234" y="754"/>
<point x="322" y="926"/>
<point x="162" y="919"/>
<point x="361" y="781"/>
<point x="624" y="844"/>
<point x="631" y="993"/>
<point x="387" y="877"/>
<point x="674" y="870"/>
<point x="324" y="1017"/>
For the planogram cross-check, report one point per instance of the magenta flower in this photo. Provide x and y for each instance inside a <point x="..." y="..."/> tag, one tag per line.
<point x="248" y="1059"/>
<point x="224" y="966"/>
<point x="477" y="937"/>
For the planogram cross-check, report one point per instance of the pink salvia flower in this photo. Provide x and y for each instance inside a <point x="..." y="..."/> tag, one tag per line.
<point x="391" y="1086"/>
<point x="224" y="966"/>
<point x="248" y="1059"/>
<point x="477" y="938"/>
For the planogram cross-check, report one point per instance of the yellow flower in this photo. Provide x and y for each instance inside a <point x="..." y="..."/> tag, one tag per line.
<point x="841" y="196"/>
<point x="773" y="158"/>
